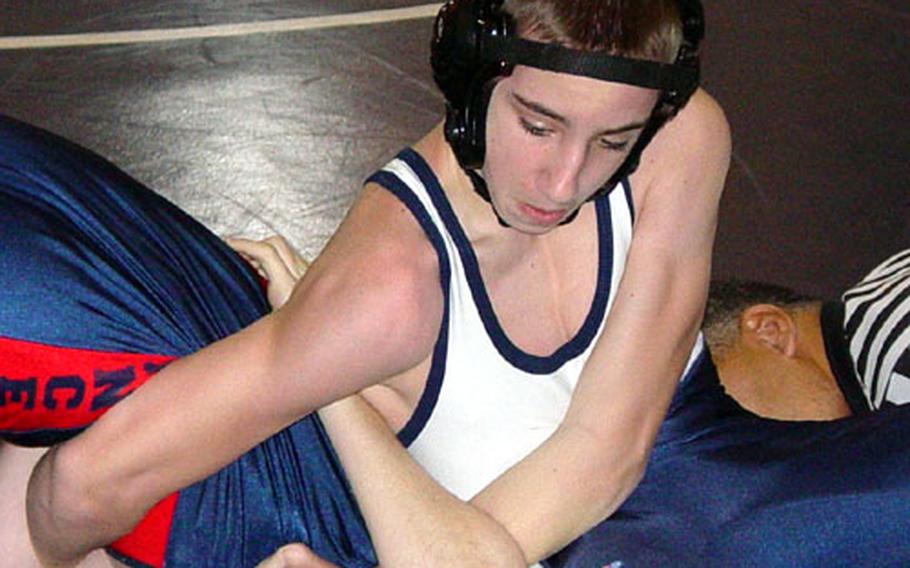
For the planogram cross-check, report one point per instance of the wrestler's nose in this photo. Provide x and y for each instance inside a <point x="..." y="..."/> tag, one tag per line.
<point x="565" y="173"/>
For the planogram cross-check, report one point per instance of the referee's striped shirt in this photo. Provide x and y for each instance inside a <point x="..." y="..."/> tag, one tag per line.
<point x="877" y="330"/>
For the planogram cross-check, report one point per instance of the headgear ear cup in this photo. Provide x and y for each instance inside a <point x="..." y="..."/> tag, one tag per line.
<point x="691" y="15"/>
<point x="462" y="71"/>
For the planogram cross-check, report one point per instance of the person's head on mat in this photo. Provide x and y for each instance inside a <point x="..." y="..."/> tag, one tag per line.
<point x="767" y="344"/>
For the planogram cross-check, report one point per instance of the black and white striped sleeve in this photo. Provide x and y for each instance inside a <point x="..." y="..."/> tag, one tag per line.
<point x="877" y="327"/>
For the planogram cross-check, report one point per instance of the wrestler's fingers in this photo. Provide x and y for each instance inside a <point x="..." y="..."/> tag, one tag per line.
<point x="265" y="257"/>
<point x="248" y="247"/>
<point x="271" y="253"/>
<point x="254" y="263"/>
<point x="295" y="556"/>
<point x="289" y="255"/>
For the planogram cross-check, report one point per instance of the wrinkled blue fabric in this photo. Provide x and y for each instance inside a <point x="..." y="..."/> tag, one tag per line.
<point x="91" y="259"/>
<point x="725" y="488"/>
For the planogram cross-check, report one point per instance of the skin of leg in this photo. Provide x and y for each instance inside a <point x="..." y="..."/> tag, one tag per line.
<point x="295" y="556"/>
<point x="16" y="465"/>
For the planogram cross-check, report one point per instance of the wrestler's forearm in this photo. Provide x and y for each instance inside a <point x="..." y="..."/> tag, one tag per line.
<point x="412" y="520"/>
<point x="94" y="488"/>
<point x="594" y="460"/>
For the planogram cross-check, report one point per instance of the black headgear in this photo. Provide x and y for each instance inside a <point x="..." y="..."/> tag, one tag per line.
<point x="474" y="42"/>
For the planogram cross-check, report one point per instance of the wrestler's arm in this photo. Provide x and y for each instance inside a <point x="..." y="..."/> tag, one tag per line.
<point x="584" y="471"/>
<point x="596" y="457"/>
<point x="366" y="310"/>
<point x="364" y="443"/>
<point x="412" y="520"/>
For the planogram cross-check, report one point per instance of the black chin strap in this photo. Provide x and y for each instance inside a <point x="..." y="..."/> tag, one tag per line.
<point x="480" y="187"/>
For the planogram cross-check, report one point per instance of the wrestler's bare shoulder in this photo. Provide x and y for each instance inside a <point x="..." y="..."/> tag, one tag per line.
<point x="381" y="235"/>
<point x="382" y="256"/>
<point x="693" y="146"/>
<point x="702" y="120"/>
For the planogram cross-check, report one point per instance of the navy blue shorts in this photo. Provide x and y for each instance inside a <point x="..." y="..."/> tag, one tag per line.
<point x="102" y="283"/>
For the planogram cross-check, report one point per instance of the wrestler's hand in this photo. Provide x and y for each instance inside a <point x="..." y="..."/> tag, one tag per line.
<point x="295" y="556"/>
<point x="276" y="261"/>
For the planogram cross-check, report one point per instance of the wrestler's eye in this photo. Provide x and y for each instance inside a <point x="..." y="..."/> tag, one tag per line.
<point x="613" y="145"/>
<point x="534" y="129"/>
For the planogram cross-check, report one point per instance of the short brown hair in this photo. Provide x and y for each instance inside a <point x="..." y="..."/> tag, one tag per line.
<point x="643" y="29"/>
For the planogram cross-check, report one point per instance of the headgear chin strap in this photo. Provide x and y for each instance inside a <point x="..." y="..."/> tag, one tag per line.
<point x="474" y="43"/>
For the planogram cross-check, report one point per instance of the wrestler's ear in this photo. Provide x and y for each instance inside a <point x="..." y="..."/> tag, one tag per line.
<point x="769" y="327"/>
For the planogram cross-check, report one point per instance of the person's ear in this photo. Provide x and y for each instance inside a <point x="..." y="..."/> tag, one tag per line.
<point x="770" y="327"/>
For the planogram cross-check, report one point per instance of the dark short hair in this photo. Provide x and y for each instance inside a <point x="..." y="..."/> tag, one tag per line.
<point x="729" y="298"/>
<point x="643" y="29"/>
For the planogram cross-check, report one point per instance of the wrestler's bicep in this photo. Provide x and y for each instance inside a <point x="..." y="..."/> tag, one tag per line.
<point x="371" y="303"/>
<point x="356" y="330"/>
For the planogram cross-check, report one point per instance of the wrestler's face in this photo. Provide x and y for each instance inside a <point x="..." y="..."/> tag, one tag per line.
<point x="554" y="139"/>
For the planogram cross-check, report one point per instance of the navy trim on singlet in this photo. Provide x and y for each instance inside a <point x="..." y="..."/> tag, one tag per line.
<point x="517" y="357"/>
<point x="837" y="351"/>
<point x="430" y="394"/>
<point x="627" y="190"/>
